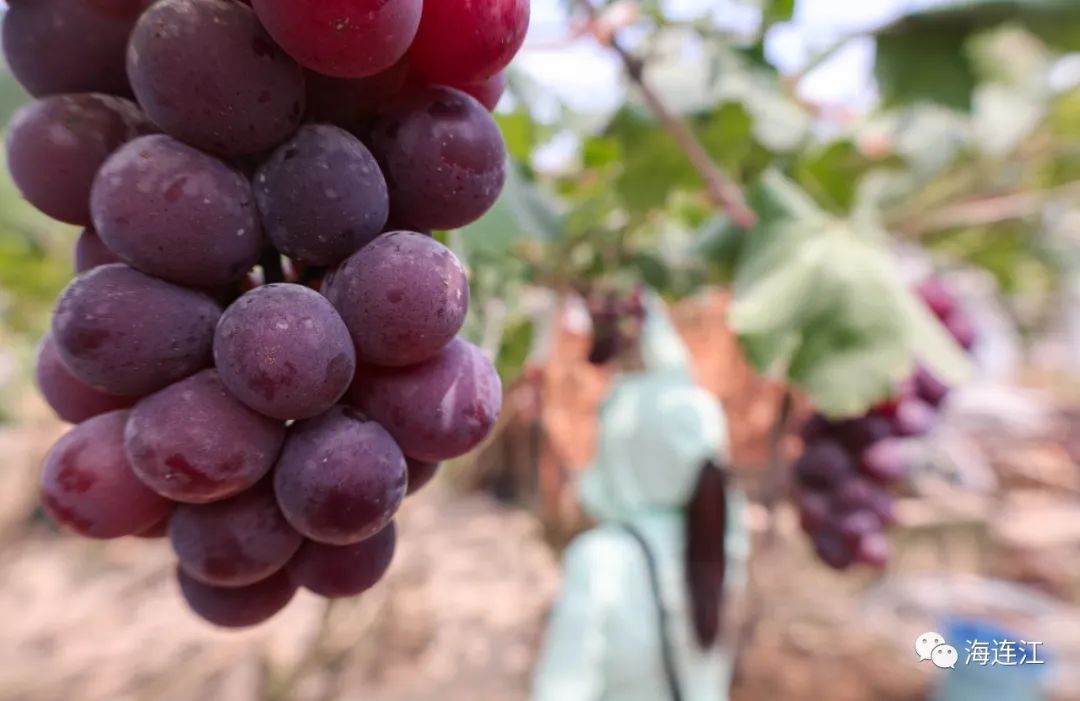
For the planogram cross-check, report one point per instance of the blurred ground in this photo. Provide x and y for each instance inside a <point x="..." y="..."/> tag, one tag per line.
<point x="461" y="614"/>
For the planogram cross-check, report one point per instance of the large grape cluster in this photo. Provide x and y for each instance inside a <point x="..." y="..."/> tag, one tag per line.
<point x="848" y="471"/>
<point x="270" y="424"/>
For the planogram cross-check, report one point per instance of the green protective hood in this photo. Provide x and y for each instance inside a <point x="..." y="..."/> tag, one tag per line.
<point x="656" y="430"/>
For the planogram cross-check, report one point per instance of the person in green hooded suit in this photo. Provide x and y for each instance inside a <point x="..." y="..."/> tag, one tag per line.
<point x="641" y="613"/>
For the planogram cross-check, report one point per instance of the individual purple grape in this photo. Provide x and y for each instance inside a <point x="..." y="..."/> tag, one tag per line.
<point x="237" y="607"/>
<point x="929" y="388"/>
<point x="403" y="298"/>
<point x="321" y="196"/>
<point x="129" y="334"/>
<point x="443" y="157"/>
<point x="193" y="442"/>
<point x="857" y="434"/>
<point x="873" y="550"/>
<point x="176" y="213"/>
<point x="90" y="252"/>
<point x="813" y="510"/>
<point x="339" y="571"/>
<point x="885" y="461"/>
<point x="855" y="494"/>
<point x="340" y="478"/>
<point x="283" y="350"/>
<point x="824" y="465"/>
<point x="207" y="74"/>
<point x="420" y="474"/>
<point x="88" y="487"/>
<point x="815" y="428"/>
<point x="72" y="400"/>
<point x="236" y="542"/>
<point x="346" y="38"/>
<point x="856" y="525"/>
<point x="70" y="46"/>
<point x="352" y="104"/>
<point x="437" y="410"/>
<point x="833" y="549"/>
<point x="56" y="145"/>
<point x="914" y="417"/>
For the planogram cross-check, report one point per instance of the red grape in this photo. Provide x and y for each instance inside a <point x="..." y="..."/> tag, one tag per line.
<point x="344" y="38"/>
<point x="466" y="42"/>
<point x="88" y="486"/>
<point x="56" y="145"/>
<point x="193" y="442"/>
<point x="337" y="571"/>
<point x="71" y="399"/>
<point x="237" y="607"/>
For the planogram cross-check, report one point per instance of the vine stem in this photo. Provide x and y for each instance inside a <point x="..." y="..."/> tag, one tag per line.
<point x="719" y="186"/>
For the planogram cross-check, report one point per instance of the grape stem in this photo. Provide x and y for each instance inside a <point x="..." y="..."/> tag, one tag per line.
<point x="721" y="189"/>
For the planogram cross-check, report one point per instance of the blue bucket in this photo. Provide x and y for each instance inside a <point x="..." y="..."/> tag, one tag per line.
<point x="1000" y="682"/>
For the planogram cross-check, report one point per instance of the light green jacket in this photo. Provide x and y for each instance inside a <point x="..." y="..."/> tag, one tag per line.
<point x="657" y="428"/>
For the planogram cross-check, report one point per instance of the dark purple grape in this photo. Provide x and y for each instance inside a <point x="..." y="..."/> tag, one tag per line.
<point x="855" y="494"/>
<point x="340" y="478"/>
<point x="339" y="571"/>
<point x="238" y="607"/>
<point x="90" y="252"/>
<point x="88" y="487"/>
<point x="833" y="549"/>
<point x="815" y="428"/>
<point x="824" y="465"/>
<point x="857" y="434"/>
<point x="193" y="442"/>
<point x="443" y="157"/>
<point x="352" y="104"/>
<point x="206" y="72"/>
<point x="403" y="297"/>
<point x="346" y="38"/>
<point x="70" y="46"/>
<point x="72" y="400"/>
<point x="914" y="417"/>
<point x="929" y="388"/>
<point x="873" y="550"/>
<point x="885" y="461"/>
<point x="176" y="213"/>
<point x="813" y="510"/>
<point x="420" y="474"/>
<point x="236" y="542"/>
<point x="126" y="333"/>
<point x="283" y="350"/>
<point x="56" y="145"/>
<point x="321" y="196"/>
<point x="437" y="410"/>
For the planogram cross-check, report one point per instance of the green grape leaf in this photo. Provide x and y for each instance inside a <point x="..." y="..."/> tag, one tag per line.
<point x="819" y="299"/>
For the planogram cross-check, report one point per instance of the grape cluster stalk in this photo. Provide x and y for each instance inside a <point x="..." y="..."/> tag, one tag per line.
<point x="269" y="424"/>
<point x="846" y="477"/>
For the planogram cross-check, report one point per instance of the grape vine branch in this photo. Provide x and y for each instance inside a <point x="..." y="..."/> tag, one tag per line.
<point x="719" y="186"/>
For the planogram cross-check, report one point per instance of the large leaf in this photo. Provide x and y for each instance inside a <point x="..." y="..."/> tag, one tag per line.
<point x="922" y="58"/>
<point x="819" y="299"/>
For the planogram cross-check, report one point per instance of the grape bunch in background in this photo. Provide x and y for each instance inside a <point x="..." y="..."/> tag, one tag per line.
<point x="848" y="471"/>
<point x="260" y="348"/>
